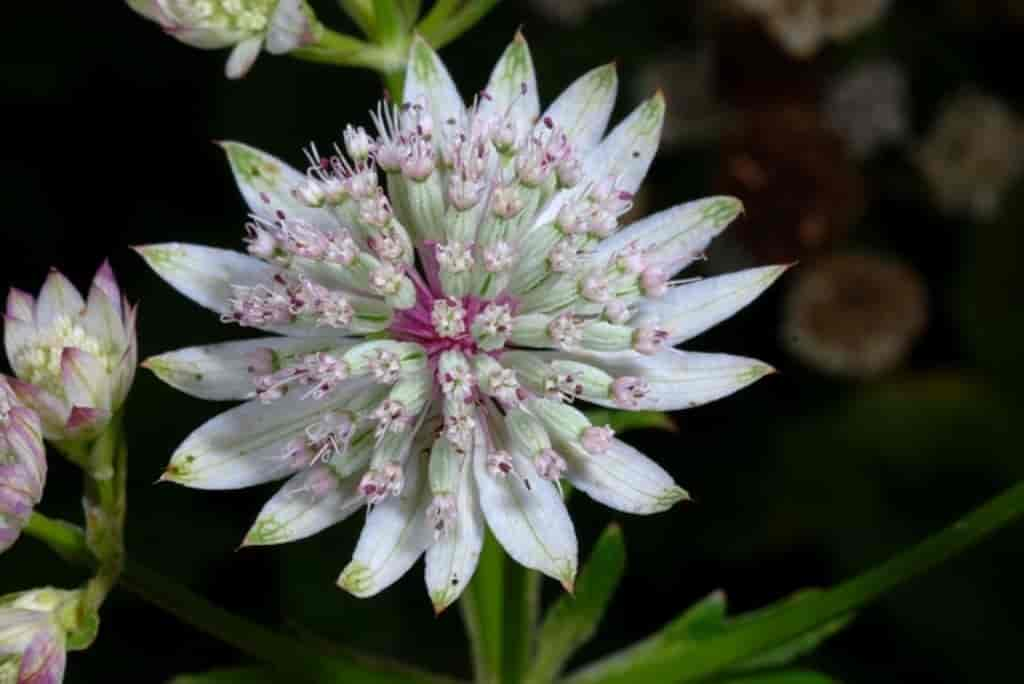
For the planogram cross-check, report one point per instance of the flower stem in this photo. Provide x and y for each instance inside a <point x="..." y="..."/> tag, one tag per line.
<point x="482" y="607"/>
<point x="344" y="50"/>
<point x="283" y="653"/>
<point x="437" y="16"/>
<point x="522" y="588"/>
<point x="105" y="506"/>
<point x="361" y="12"/>
<point x="440" y="32"/>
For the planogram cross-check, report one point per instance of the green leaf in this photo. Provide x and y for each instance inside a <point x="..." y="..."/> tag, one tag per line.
<point x="791" y="650"/>
<point x="572" y="621"/>
<point x="785" y="677"/>
<point x="240" y="675"/>
<point x="787" y="629"/>
<point x="482" y="607"/>
<point x="703" y="619"/>
<point x="624" y="421"/>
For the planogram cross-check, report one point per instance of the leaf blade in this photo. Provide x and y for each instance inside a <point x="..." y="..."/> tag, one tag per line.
<point x="573" y="620"/>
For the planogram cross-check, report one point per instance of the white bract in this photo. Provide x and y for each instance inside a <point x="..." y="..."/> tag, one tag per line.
<point x="22" y="465"/>
<point x="279" y="26"/>
<point x="74" y="357"/>
<point x="487" y="284"/>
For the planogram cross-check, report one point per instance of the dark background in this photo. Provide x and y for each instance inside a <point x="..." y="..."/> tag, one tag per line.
<point x="801" y="480"/>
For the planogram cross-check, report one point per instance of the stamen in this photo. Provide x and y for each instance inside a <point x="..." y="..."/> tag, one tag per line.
<point x="627" y="391"/>
<point x="448" y="317"/>
<point x="566" y="331"/>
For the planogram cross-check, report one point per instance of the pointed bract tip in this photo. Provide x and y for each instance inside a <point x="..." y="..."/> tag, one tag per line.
<point x="166" y="476"/>
<point x="519" y="37"/>
<point x="569" y="585"/>
<point x="439" y="607"/>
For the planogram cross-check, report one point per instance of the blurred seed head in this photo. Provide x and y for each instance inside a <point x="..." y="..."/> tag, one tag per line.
<point x="802" y="27"/>
<point x="854" y="314"/>
<point x="972" y="155"/>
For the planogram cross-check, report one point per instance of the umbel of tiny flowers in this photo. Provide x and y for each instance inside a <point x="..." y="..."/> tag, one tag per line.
<point x="74" y="358"/>
<point x="22" y="465"/>
<point x="446" y="287"/>
<point x="34" y="628"/>
<point x="248" y="26"/>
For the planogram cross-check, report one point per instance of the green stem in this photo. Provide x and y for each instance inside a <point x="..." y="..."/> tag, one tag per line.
<point x="105" y="508"/>
<point x="285" y="654"/>
<point x="440" y="33"/>
<point x="482" y="608"/>
<point x="389" y="22"/>
<point x="361" y="12"/>
<point x="437" y="16"/>
<point x="394" y="81"/>
<point x="344" y="50"/>
<point x="410" y="13"/>
<point x="692" y="662"/>
<point x="522" y="588"/>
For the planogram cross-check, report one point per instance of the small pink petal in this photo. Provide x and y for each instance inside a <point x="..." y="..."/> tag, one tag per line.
<point x="85" y="421"/>
<point x="21" y="305"/>
<point x="105" y="281"/>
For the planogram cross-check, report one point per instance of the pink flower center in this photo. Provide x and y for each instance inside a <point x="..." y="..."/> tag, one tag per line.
<point x="416" y="324"/>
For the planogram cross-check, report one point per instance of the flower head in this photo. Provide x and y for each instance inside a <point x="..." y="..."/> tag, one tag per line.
<point x="279" y="26"/>
<point x="855" y="314"/>
<point x="22" y="465"/>
<point x="972" y="156"/>
<point x="469" y="340"/>
<point x="33" y="639"/>
<point x="74" y="358"/>
<point x="869" y="106"/>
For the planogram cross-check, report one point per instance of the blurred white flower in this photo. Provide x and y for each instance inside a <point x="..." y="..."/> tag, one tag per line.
<point x="855" y="314"/>
<point x="802" y="27"/>
<point x="869" y="106"/>
<point x="74" y="358"/>
<point x="279" y="26"/>
<point x="972" y="155"/>
<point x="437" y="334"/>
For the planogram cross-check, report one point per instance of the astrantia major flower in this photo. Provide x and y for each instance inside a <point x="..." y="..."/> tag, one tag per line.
<point x="33" y="640"/>
<point x="74" y="358"/>
<point x="447" y="286"/>
<point x="22" y="465"/>
<point x="248" y="26"/>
